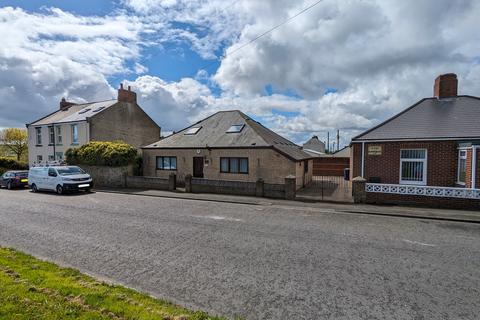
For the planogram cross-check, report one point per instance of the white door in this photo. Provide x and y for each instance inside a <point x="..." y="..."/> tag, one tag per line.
<point x="52" y="179"/>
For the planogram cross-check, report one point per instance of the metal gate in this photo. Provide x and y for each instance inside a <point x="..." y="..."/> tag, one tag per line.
<point x="327" y="188"/>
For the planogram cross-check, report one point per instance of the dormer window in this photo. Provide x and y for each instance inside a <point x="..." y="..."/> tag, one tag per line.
<point x="235" y="128"/>
<point x="192" y="130"/>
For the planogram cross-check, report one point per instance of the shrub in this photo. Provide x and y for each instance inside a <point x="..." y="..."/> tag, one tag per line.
<point x="99" y="153"/>
<point x="11" y="164"/>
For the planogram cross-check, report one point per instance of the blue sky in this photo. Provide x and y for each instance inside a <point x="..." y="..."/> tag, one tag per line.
<point x="344" y="65"/>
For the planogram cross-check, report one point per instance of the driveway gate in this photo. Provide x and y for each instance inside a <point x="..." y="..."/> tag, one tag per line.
<point x="327" y="188"/>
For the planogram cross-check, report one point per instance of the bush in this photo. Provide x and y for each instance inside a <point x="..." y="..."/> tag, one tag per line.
<point x="11" y="164"/>
<point x="99" y="153"/>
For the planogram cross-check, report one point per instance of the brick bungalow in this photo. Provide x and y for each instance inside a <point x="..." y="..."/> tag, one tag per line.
<point x="228" y="145"/>
<point x="434" y="143"/>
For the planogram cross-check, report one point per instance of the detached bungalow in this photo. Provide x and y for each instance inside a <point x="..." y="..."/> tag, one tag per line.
<point x="228" y="145"/>
<point x="427" y="152"/>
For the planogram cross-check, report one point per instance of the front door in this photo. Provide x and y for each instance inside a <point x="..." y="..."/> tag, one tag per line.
<point x="198" y="167"/>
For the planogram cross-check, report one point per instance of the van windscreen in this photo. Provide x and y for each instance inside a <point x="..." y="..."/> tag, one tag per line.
<point x="69" y="171"/>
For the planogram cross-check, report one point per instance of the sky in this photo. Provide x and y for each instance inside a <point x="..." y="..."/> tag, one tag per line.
<point x="341" y="65"/>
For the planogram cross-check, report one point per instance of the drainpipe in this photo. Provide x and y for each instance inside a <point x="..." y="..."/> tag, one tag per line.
<point x="363" y="159"/>
<point x="474" y="167"/>
<point x="54" y="142"/>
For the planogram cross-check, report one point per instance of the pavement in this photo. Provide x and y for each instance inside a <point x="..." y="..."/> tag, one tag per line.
<point x="384" y="210"/>
<point x="257" y="261"/>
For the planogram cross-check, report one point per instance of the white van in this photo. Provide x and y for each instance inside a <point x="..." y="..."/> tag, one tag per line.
<point x="59" y="179"/>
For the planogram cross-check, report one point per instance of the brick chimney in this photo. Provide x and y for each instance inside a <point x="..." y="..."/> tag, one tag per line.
<point x="64" y="104"/>
<point x="126" y="95"/>
<point x="446" y="86"/>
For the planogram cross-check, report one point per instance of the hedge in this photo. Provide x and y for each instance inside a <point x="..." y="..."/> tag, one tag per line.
<point x="11" y="164"/>
<point x="99" y="153"/>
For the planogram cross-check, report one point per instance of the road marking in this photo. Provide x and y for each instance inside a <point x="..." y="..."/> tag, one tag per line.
<point x="419" y="243"/>
<point x="220" y="218"/>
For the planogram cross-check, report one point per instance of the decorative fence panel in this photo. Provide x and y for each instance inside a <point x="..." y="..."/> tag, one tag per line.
<point x="443" y="192"/>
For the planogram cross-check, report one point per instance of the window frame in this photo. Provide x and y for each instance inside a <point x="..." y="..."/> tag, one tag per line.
<point x="74" y="128"/>
<point x="229" y="161"/>
<point x="189" y="131"/>
<point x="459" y="159"/>
<point x="241" y="125"/>
<point x="424" y="171"/>
<point x="38" y="136"/>
<point x="58" y="135"/>
<point x="170" y="161"/>
<point x="51" y="135"/>
<point x="39" y="158"/>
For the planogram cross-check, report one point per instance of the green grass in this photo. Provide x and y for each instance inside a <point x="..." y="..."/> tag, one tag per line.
<point x="35" y="289"/>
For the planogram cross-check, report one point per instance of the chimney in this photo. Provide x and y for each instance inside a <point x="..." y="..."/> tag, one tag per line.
<point x="126" y="95"/>
<point x="64" y="104"/>
<point x="446" y="86"/>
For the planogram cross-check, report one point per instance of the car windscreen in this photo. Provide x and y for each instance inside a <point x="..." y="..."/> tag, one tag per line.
<point x="70" y="171"/>
<point x="22" y="174"/>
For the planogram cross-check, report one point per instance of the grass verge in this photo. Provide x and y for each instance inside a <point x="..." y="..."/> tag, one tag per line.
<point x="35" y="289"/>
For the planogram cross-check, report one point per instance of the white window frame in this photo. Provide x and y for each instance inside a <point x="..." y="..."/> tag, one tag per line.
<point x="38" y="136"/>
<point x="460" y="157"/>
<point x="424" y="173"/>
<point x="59" y="134"/>
<point x="51" y="135"/>
<point x="74" y="141"/>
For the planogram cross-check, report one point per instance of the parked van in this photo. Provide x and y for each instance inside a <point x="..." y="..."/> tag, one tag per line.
<point x="59" y="179"/>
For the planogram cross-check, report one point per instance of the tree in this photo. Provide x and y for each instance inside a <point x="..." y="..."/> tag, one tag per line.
<point x="15" y="140"/>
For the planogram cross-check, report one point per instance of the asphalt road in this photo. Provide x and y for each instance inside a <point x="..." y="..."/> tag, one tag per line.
<point x="259" y="262"/>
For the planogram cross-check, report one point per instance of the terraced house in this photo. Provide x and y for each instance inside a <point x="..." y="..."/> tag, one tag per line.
<point x="231" y="146"/>
<point x="73" y="125"/>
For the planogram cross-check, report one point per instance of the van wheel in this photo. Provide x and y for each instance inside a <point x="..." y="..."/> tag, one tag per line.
<point x="9" y="185"/>
<point x="59" y="189"/>
<point x="34" y="188"/>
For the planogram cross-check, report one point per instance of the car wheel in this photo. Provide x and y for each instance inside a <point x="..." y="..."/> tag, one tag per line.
<point x="34" y="188"/>
<point x="9" y="185"/>
<point x="59" y="189"/>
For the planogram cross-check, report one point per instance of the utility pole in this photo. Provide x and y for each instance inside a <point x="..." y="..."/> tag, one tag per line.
<point x="328" y="141"/>
<point x="338" y="140"/>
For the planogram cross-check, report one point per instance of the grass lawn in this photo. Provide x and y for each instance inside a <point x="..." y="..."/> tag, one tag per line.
<point x="34" y="289"/>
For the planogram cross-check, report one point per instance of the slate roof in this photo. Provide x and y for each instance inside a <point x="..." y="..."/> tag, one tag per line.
<point x="431" y="118"/>
<point x="76" y="112"/>
<point x="213" y="134"/>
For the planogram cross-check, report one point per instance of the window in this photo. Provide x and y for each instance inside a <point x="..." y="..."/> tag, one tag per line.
<point x="413" y="166"/>
<point x="51" y="158"/>
<point x="235" y="128"/>
<point x="59" y="155"/>
<point x="51" y="135"/>
<point x="193" y="130"/>
<point x="74" y="134"/>
<point x="234" y="165"/>
<point x="39" y="159"/>
<point x="38" y="134"/>
<point x="462" y="167"/>
<point x="305" y="166"/>
<point x="166" y="163"/>
<point x="59" y="134"/>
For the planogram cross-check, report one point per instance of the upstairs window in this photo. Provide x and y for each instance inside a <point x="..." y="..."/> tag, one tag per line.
<point x="59" y="135"/>
<point x="462" y="167"/>
<point x="74" y="134"/>
<point x="413" y="166"/>
<point x="235" y="128"/>
<point x="38" y="136"/>
<point x="51" y="135"/>
<point x="193" y="130"/>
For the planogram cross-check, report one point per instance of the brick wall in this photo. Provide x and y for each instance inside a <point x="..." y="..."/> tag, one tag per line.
<point x="422" y="201"/>
<point x="442" y="158"/>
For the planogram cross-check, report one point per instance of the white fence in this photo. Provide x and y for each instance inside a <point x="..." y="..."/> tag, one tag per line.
<point x="443" y="192"/>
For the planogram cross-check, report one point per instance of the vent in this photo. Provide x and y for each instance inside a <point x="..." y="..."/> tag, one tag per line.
<point x="98" y="109"/>
<point x="84" y="111"/>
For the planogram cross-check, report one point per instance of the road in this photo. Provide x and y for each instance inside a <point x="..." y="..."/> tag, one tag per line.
<point x="255" y="261"/>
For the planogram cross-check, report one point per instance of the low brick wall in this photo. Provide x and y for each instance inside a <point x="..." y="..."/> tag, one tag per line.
<point x="422" y="201"/>
<point x="223" y="187"/>
<point x="147" y="183"/>
<point x="275" y="191"/>
<point x="108" y="176"/>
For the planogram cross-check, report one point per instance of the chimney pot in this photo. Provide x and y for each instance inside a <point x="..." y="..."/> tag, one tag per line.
<point x="446" y="86"/>
<point x="121" y="85"/>
<point x="126" y="95"/>
<point x="129" y="88"/>
<point x="64" y="104"/>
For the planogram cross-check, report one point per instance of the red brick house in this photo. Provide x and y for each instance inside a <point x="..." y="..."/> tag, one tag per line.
<point x="427" y="154"/>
